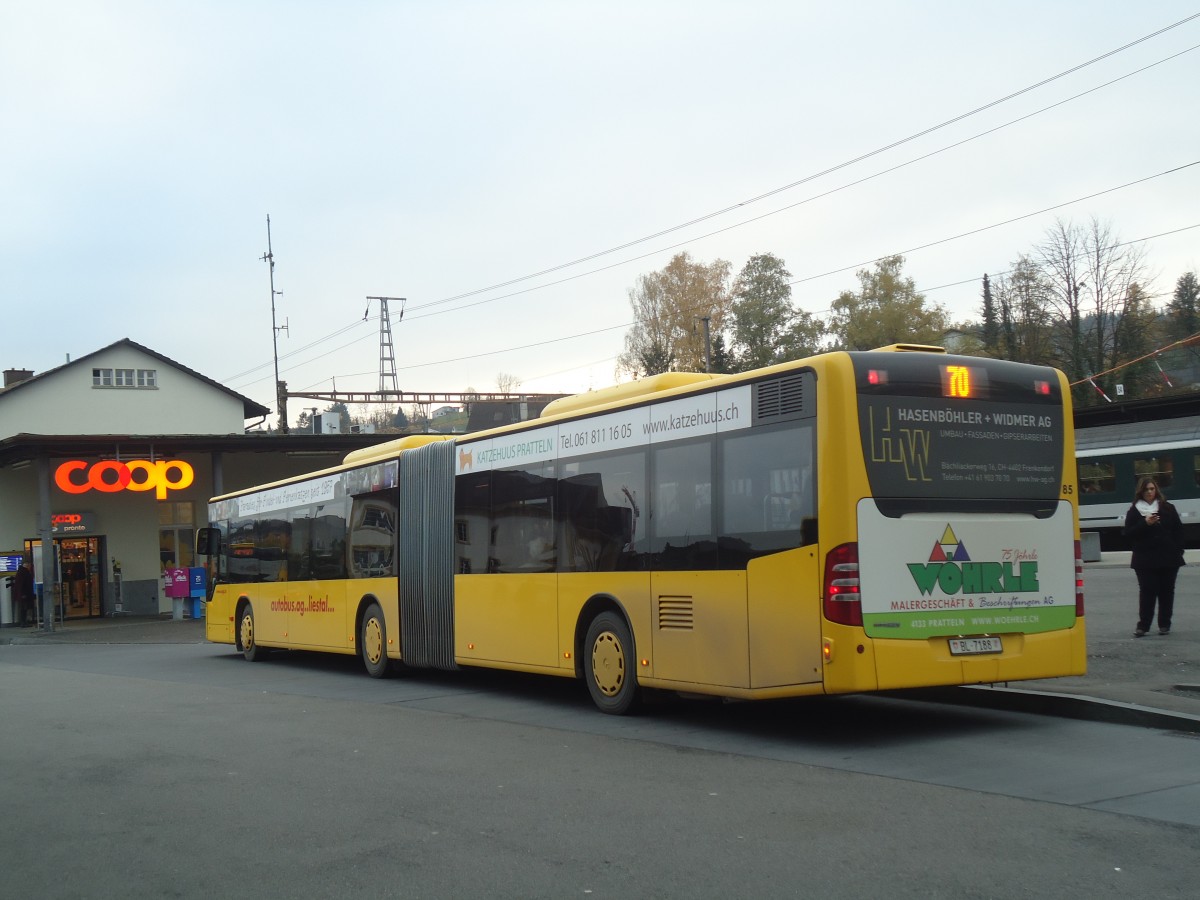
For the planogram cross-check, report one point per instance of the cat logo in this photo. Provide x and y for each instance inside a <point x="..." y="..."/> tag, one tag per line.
<point x="465" y="459"/>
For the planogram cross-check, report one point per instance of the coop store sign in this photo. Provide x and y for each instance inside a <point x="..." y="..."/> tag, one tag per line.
<point x="110" y="476"/>
<point x="72" y="523"/>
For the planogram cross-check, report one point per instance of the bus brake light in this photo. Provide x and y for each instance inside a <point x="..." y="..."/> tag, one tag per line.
<point x="842" y="600"/>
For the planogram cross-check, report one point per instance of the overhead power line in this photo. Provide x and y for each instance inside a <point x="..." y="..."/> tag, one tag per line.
<point x="629" y="324"/>
<point x="1116" y="246"/>
<point x="998" y="224"/>
<point x="827" y="193"/>
<point x="815" y="175"/>
<point x="782" y="209"/>
<point x="1183" y="342"/>
<point x="800" y="280"/>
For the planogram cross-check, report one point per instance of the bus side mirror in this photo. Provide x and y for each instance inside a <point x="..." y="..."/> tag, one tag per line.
<point x="208" y="541"/>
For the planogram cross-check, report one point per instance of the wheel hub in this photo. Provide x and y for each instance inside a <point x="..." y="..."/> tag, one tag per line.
<point x="608" y="664"/>
<point x="373" y="640"/>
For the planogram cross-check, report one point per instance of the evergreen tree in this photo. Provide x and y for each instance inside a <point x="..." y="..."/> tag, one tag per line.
<point x="1134" y="339"/>
<point x="1183" y="312"/>
<point x="721" y="361"/>
<point x="343" y="414"/>
<point x="991" y="327"/>
<point x="654" y="358"/>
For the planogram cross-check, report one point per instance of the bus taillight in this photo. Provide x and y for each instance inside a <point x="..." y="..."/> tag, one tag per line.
<point x="842" y="601"/>
<point x="1078" y="580"/>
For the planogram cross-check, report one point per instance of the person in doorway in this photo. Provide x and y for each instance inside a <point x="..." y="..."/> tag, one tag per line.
<point x="24" y="596"/>
<point x="1155" y="533"/>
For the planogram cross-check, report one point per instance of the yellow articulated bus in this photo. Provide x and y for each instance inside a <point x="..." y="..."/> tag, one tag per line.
<point x="849" y="522"/>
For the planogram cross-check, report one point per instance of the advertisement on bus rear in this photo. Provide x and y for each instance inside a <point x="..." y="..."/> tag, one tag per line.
<point x="927" y="576"/>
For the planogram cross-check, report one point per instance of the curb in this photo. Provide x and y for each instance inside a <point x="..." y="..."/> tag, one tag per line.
<point x="1065" y="706"/>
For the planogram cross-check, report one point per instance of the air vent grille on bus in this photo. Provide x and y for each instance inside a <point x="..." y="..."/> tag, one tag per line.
<point x="788" y="397"/>
<point x="675" y="614"/>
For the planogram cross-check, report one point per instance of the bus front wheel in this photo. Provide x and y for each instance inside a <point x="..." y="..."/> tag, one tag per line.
<point x="250" y="647"/>
<point x="372" y="642"/>
<point x="610" y="674"/>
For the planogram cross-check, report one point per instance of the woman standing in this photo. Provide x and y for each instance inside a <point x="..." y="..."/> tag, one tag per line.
<point x="1156" y="534"/>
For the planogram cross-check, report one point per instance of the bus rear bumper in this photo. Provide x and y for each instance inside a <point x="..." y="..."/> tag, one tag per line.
<point x="930" y="662"/>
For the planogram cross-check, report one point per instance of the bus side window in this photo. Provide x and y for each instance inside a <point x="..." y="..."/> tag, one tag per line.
<point x="767" y="489"/>
<point x="372" y="535"/>
<point x="681" y="505"/>
<point x="599" y="513"/>
<point x="522" y="520"/>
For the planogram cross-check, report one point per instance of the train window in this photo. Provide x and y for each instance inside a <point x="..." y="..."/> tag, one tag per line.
<point x="1160" y="468"/>
<point x="1097" y="476"/>
<point x="1196" y="470"/>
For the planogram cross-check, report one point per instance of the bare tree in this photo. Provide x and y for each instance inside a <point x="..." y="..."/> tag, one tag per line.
<point x="1059" y="256"/>
<point x="1095" y="282"/>
<point x="506" y="383"/>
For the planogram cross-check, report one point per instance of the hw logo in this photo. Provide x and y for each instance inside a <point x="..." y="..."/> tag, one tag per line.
<point x="907" y="447"/>
<point x="951" y="570"/>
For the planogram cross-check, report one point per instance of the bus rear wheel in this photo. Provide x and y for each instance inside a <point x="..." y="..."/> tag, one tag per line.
<point x="250" y="647"/>
<point x="372" y="642"/>
<point x="609" y="656"/>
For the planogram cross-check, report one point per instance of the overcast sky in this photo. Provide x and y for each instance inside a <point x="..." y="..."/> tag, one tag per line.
<point x="445" y="151"/>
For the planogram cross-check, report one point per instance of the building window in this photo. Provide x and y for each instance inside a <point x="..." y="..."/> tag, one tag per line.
<point x="176" y="539"/>
<point x="125" y="378"/>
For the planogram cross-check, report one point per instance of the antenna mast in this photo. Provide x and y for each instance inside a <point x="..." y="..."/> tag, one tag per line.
<point x="280" y="386"/>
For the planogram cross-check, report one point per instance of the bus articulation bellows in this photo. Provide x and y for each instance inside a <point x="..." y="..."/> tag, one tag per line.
<point x="849" y="522"/>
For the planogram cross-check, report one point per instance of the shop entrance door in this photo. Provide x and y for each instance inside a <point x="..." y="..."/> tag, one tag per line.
<point x="81" y="565"/>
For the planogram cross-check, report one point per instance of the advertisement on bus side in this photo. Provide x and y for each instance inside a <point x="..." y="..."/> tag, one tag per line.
<point x="670" y="420"/>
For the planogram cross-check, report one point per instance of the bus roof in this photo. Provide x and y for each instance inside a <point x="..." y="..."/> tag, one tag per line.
<point x="617" y="393"/>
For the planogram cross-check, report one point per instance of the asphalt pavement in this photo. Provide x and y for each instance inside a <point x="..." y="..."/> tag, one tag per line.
<point x="1152" y="681"/>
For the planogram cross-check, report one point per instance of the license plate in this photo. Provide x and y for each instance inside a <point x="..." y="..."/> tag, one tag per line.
<point x="972" y="646"/>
